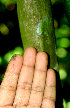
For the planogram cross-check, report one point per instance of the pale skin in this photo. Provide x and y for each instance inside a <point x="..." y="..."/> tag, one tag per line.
<point x="28" y="83"/>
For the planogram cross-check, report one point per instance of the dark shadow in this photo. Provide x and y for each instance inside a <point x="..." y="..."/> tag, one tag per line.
<point x="59" y="94"/>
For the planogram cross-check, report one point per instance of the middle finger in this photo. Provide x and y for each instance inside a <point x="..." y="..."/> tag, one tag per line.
<point x="39" y="80"/>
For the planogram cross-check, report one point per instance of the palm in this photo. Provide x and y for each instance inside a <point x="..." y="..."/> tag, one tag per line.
<point x="28" y="83"/>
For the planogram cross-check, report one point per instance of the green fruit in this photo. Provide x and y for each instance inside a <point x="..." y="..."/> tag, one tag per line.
<point x="36" y="27"/>
<point x="63" y="74"/>
<point x="61" y="52"/>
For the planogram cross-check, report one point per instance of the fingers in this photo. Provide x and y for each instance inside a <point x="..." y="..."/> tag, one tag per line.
<point x="50" y="90"/>
<point x="39" y="80"/>
<point x="25" y="79"/>
<point x="32" y="83"/>
<point x="9" y="83"/>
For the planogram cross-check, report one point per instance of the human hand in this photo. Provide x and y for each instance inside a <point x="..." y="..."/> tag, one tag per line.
<point x="28" y="82"/>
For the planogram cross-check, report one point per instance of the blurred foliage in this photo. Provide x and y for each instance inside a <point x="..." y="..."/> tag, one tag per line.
<point x="67" y="9"/>
<point x="10" y="41"/>
<point x="8" y="1"/>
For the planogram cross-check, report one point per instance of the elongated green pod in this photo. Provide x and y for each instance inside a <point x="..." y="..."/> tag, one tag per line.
<point x="36" y="27"/>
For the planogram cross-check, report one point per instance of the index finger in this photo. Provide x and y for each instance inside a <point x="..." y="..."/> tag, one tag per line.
<point x="9" y="83"/>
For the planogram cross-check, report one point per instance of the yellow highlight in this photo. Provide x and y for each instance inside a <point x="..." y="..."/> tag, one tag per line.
<point x="3" y="29"/>
<point x="8" y="56"/>
<point x="63" y="42"/>
<point x="54" y="1"/>
<point x="61" y="52"/>
<point x="63" y="74"/>
<point x="65" y="30"/>
<point x="64" y="103"/>
<point x="0" y="60"/>
<point x="18" y="50"/>
<point x="55" y="24"/>
<point x="68" y="104"/>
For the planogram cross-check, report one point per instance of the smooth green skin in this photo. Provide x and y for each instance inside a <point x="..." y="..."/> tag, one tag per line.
<point x="67" y="9"/>
<point x="36" y="27"/>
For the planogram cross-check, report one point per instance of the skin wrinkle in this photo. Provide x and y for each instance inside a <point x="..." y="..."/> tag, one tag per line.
<point x="49" y="85"/>
<point x="17" y="105"/>
<point x="8" y="89"/>
<point x="39" y="70"/>
<point x="49" y="98"/>
<point x="33" y="67"/>
<point x="6" y="83"/>
<point x="42" y="97"/>
<point x="38" y="89"/>
<point x="7" y="105"/>
<point x="9" y="86"/>
<point x="35" y="89"/>
<point x="26" y="83"/>
<point x="33" y="106"/>
<point x="20" y="106"/>
<point x="25" y="86"/>
<point x="28" y="66"/>
<point x="29" y="98"/>
<point x="27" y="106"/>
<point x="16" y="73"/>
<point x="18" y="79"/>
